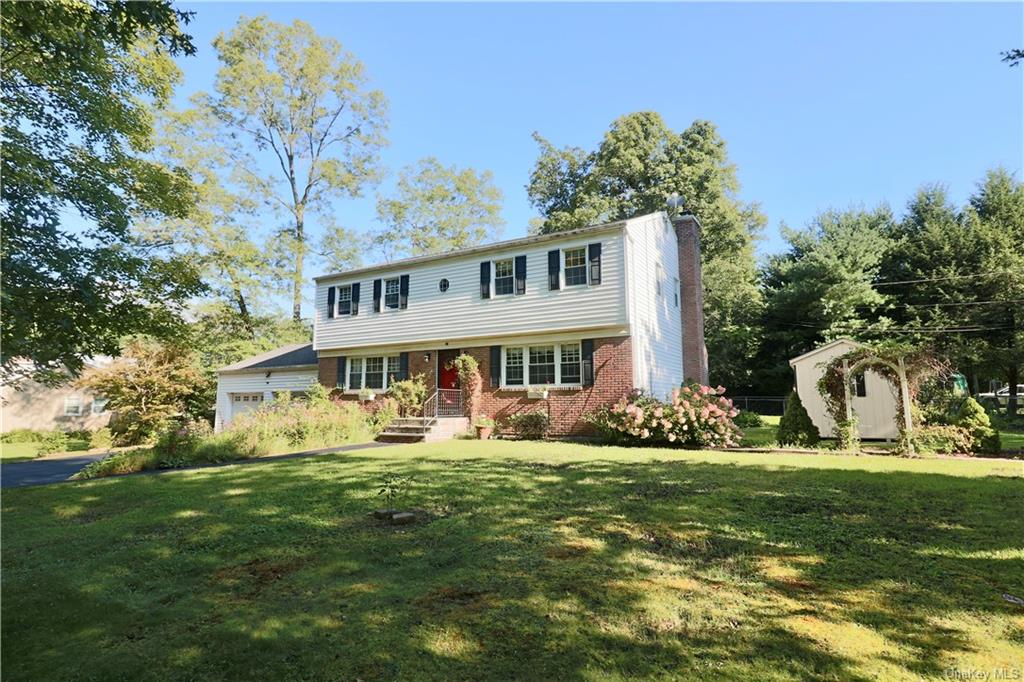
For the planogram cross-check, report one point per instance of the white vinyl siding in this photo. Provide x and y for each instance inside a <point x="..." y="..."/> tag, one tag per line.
<point x="460" y="312"/>
<point x="654" y="321"/>
<point x="548" y="364"/>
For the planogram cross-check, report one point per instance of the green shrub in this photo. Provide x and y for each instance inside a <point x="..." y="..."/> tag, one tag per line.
<point x="848" y="434"/>
<point x="101" y="438"/>
<point x="180" y="440"/>
<point x="942" y="439"/>
<point x="53" y="441"/>
<point x="747" y="419"/>
<point x="973" y="418"/>
<point x="127" y="462"/>
<point x="529" y="425"/>
<point x="409" y="394"/>
<point x="79" y="434"/>
<point x="796" y="427"/>
<point x="22" y="436"/>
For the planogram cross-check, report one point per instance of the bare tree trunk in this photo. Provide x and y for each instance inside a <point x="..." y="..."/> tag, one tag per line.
<point x="243" y="312"/>
<point x="300" y="249"/>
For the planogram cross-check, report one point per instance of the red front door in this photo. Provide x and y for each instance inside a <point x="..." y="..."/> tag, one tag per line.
<point x="448" y="375"/>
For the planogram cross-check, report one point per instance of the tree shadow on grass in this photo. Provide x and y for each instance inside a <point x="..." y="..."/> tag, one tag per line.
<point x="523" y="570"/>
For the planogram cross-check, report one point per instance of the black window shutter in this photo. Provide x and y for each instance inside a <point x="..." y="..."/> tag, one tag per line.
<point x="587" y="348"/>
<point x="376" y="295"/>
<point x="520" y="275"/>
<point x="594" y="252"/>
<point x="495" y="366"/>
<point x="554" y="269"/>
<point x="403" y="292"/>
<point x="330" y="302"/>
<point x="485" y="279"/>
<point x="355" y="298"/>
<point x="341" y="372"/>
<point x="403" y="367"/>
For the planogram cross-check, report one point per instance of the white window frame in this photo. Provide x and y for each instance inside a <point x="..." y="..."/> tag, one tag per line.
<point x="397" y="294"/>
<point x="525" y="347"/>
<point x="361" y="359"/>
<point x="347" y="288"/>
<point x="102" y="402"/>
<point x="77" y="402"/>
<point x="494" y="276"/>
<point x="585" y="266"/>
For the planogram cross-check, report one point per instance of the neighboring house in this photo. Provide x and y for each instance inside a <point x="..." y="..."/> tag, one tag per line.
<point x="589" y="314"/>
<point x="43" y="408"/>
<point x="248" y="384"/>
<point x="874" y="402"/>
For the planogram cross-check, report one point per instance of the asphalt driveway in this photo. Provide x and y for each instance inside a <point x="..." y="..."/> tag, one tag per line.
<point x="45" y="470"/>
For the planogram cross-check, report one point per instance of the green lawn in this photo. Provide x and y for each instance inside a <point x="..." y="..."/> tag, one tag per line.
<point x="534" y="561"/>
<point x="20" y="452"/>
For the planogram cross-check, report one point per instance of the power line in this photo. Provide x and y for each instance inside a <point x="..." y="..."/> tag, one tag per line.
<point x="939" y="279"/>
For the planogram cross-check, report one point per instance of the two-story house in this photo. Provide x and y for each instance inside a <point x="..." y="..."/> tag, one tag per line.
<point x="566" y="323"/>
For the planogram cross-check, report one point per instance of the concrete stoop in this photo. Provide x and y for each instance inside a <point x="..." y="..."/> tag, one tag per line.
<point x="413" y="430"/>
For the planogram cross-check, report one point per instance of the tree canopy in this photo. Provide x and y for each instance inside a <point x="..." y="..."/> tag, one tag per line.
<point x="79" y="82"/>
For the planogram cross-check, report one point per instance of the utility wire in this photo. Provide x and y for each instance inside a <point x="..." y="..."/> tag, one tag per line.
<point x="939" y="279"/>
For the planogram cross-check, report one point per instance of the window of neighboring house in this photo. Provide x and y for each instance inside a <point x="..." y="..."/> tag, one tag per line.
<point x="551" y="365"/>
<point x="860" y="386"/>
<point x="376" y="372"/>
<point x="345" y="300"/>
<point x="355" y="374"/>
<point x="575" y="266"/>
<point x="99" y="405"/>
<point x="504" y="277"/>
<point x="391" y="288"/>
<point x="72" y="406"/>
<point x="514" y="366"/>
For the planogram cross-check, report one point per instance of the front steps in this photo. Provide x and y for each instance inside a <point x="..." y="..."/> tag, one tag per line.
<point x="411" y="430"/>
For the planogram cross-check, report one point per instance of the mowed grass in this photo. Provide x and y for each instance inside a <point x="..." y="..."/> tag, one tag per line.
<point x="531" y="561"/>
<point x="21" y="452"/>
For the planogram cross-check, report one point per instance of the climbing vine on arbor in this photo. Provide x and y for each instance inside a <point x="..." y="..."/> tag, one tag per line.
<point x="919" y="365"/>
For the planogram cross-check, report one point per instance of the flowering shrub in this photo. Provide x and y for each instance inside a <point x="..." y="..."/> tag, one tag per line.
<point x="695" y="416"/>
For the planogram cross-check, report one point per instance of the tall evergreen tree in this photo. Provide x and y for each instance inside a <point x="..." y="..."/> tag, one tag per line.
<point x="638" y="164"/>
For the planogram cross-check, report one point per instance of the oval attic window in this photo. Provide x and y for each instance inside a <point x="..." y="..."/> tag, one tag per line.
<point x="443" y="285"/>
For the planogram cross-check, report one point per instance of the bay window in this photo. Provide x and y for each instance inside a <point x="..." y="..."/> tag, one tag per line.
<point x="554" y="364"/>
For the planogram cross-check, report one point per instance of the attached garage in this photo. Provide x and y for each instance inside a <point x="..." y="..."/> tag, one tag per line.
<point x="249" y="384"/>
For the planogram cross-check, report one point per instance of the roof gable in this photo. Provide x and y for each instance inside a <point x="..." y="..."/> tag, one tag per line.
<point x="292" y="355"/>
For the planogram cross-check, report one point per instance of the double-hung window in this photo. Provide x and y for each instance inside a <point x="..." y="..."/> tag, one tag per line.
<point x="355" y="374"/>
<point x="391" y="290"/>
<point x="514" y="367"/>
<point x="575" y="266"/>
<point x="556" y="364"/>
<point x="99" y="405"/>
<point x="345" y="300"/>
<point x="375" y="372"/>
<point x="504" y="277"/>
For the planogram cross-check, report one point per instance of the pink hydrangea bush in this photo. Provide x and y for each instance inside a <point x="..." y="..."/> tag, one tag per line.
<point x="695" y="416"/>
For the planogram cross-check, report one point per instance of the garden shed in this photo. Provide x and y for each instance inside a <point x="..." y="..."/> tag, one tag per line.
<point x="874" y="402"/>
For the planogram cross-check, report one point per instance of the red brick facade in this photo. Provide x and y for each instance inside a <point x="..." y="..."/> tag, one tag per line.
<point x="613" y="378"/>
<point x="691" y="299"/>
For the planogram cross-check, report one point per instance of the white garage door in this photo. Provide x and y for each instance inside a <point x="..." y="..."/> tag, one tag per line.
<point x="245" y="402"/>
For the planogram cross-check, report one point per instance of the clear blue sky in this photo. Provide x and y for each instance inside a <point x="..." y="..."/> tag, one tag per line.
<point x="822" y="105"/>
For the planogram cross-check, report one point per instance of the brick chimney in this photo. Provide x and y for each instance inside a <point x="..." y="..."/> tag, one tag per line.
<point x="691" y="298"/>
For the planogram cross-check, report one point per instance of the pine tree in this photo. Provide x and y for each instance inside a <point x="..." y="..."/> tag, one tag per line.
<point x="796" y="427"/>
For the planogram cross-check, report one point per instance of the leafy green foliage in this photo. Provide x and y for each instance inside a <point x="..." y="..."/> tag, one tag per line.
<point x="101" y="438"/>
<point x="393" y="487"/>
<point x="151" y="384"/>
<point x="796" y="427"/>
<point x="79" y="81"/>
<point x="53" y="441"/>
<point x="304" y="103"/>
<point x="746" y="418"/>
<point x="973" y="418"/>
<point x="637" y="165"/>
<point x="409" y="393"/>
<point x="528" y="425"/>
<point x="438" y="208"/>
<point x="942" y="439"/>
